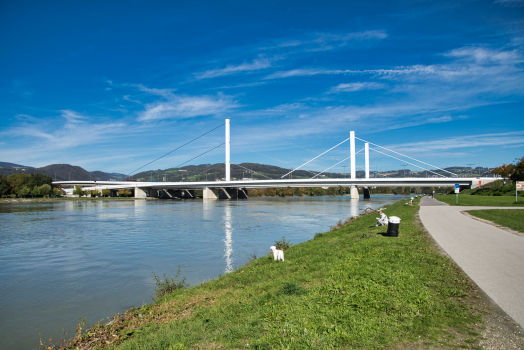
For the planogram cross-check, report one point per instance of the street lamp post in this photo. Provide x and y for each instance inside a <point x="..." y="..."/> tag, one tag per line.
<point x="404" y="165"/>
<point x="471" y="167"/>
<point x="344" y="166"/>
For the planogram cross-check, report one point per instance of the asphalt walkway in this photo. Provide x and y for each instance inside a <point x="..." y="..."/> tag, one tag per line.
<point x="490" y="256"/>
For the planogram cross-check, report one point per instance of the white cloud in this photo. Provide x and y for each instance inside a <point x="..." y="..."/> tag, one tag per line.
<point x="350" y="87"/>
<point x="459" y="142"/>
<point x="329" y="41"/>
<point x="77" y="130"/>
<point x="257" y="64"/>
<point x="182" y="107"/>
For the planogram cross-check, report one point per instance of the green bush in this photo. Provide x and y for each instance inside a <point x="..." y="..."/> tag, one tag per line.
<point x="166" y="284"/>
<point x="282" y="244"/>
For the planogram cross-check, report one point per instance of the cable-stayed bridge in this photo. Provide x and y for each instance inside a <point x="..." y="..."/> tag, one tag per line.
<point x="231" y="189"/>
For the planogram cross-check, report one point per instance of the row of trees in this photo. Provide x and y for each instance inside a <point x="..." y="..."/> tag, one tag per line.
<point x="513" y="171"/>
<point x="23" y="185"/>
<point x="334" y="191"/>
<point x="106" y="192"/>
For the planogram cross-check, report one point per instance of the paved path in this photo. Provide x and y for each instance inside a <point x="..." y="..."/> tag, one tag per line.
<point x="491" y="257"/>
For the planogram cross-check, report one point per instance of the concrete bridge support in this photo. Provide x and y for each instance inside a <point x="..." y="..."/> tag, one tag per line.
<point x="354" y="192"/>
<point x="242" y="193"/>
<point x="140" y="193"/>
<point x="207" y="193"/>
<point x="366" y="193"/>
<point x="227" y="193"/>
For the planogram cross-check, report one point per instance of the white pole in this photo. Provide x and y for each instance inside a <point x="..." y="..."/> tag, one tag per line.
<point x="228" y="145"/>
<point x="367" y="159"/>
<point x="352" y="153"/>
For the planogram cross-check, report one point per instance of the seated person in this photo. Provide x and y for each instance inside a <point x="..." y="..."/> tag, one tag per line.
<point x="382" y="220"/>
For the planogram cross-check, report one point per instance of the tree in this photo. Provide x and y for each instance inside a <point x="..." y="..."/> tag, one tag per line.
<point x="505" y="170"/>
<point x="36" y="191"/>
<point x="17" y="182"/>
<point x="57" y="192"/>
<point x="128" y="193"/>
<point x="5" y="189"/>
<point x="45" y="190"/>
<point x="95" y="193"/>
<point x="24" y="191"/>
<point x="106" y="192"/>
<point x="79" y="191"/>
<point x="518" y="170"/>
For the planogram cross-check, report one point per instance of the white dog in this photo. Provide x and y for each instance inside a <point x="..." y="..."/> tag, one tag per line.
<point x="277" y="254"/>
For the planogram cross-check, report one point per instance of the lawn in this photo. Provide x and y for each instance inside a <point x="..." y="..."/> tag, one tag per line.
<point x="512" y="218"/>
<point x="494" y="201"/>
<point x="347" y="288"/>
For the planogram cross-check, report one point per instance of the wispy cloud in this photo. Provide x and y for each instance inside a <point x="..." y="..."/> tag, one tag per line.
<point x="256" y="65"/>
<point x="328" y="41"/>
<point x="182" y="107"/>
<point x="462" y="142"/>
<point x="350" y="87"/>
<point x="77" y="130"/>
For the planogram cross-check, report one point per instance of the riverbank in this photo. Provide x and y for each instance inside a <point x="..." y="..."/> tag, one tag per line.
<point x="349" y="287"/>
<point x="62" y="199"/>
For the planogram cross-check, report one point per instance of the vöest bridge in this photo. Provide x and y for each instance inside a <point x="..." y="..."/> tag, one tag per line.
<point x="229" y="189"/>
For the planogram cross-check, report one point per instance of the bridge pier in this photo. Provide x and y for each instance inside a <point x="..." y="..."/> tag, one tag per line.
<point x="140" y="193"/>
<point x="207" y="193"/>
<point x="242" y="193"/>
<point x="354" y="192"/>
<point x="367" y="193"/>
<point x="227" y="193"/>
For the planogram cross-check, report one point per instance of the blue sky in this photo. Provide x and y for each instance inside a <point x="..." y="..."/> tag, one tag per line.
<point x="113" y="85"/>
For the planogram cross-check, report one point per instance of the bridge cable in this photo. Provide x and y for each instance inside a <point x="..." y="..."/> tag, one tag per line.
<point x="210" y="168"/>
<point x="276" y="138"/>
<point x="337" y="164"/>
<point x="406" y="162"/>
<point x="278" y="160"/>
<point x="176" y="149"/>
<point x="309" y="161"/>
<point x="253" y="171"/>
<point x="407" y="157"/>
<point x="201" y="154"/>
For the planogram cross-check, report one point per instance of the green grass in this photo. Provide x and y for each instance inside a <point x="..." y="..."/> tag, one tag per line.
<point x="347" y="288"/>
<point x="512" y="218"/>
<point x="473" y="200"/>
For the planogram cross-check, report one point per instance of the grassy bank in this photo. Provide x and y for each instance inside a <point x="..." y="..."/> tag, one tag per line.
<point x="512" y="218"/>
<point x="467" y="199"/>
<point x="347" y="288"/>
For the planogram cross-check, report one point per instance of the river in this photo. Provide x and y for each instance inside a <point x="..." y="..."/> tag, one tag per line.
<point x="62" y="260"/>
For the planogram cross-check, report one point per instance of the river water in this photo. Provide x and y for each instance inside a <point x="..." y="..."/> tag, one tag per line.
<point x="60" y="261"/>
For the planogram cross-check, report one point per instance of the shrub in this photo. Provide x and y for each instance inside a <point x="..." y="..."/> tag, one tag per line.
<point x="282" y="244"/>
<point x="166" y="284"/>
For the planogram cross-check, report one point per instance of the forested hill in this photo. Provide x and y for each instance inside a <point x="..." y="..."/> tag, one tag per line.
<point x="59" y="172"/>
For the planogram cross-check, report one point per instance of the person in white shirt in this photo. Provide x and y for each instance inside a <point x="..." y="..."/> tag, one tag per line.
<point x="382" y="220"/>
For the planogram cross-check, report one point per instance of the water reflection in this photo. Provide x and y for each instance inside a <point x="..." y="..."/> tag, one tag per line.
<point x="228" y="229"/>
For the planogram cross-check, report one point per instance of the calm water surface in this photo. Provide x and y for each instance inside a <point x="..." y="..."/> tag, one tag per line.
<point x="61" y="261"/>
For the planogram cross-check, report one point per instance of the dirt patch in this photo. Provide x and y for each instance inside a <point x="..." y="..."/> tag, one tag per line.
<point x="498" y="331"/>
<point x="507" y="229"/>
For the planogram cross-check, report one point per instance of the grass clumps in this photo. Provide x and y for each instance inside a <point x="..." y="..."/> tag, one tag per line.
<point x="166" y="284"/>
<point x="512" y="218"/>
<point x="348" y="288"/>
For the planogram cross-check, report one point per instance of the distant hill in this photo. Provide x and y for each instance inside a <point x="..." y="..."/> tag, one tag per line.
<point x="65" y="172"/>
<point x="59" y="172"/>
<point x="11" y="165"/>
